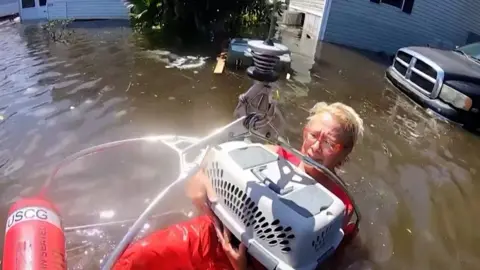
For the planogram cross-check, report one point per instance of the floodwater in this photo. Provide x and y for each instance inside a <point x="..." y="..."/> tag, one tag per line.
<point x="413" y="175"/>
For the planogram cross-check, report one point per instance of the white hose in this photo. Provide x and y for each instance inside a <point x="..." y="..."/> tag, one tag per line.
<point x="98" y="148"/>
<point x="137" y="226"/>
<point x="235" y="128"/>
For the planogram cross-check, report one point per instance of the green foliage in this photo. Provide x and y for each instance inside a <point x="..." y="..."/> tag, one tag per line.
<point x="208" y="19"/>
<point x="57" y="30"/>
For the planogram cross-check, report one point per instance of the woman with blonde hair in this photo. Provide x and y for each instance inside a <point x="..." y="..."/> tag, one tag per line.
<point x="331" y="133"/>
<point x="328" y="138"/>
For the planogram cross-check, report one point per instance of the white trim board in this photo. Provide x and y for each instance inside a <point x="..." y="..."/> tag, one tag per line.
<point x="304" y="10"/>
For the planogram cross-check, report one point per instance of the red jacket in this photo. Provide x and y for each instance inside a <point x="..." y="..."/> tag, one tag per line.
<point x="185" y="246"/>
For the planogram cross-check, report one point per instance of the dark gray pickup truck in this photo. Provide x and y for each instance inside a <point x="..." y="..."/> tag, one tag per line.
<point x="446" y="81"/>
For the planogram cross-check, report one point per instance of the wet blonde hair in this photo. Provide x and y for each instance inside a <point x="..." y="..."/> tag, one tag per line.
<point x="350" y="121"/>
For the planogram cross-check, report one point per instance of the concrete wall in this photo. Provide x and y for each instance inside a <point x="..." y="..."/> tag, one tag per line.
<point x="8" y="7"/>
<point x="313" y="11"/>
<point x="308" y="6"/>
<point x="311" y="26"/>
<point x="381" y="27"/>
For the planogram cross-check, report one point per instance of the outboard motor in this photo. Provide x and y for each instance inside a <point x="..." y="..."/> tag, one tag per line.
<point x="258" y="100"/>
<point x="283" y="216"/>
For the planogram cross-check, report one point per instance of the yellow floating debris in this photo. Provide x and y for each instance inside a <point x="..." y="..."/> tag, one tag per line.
<point x="276" y="95"/>
<point x="220" y="64"/>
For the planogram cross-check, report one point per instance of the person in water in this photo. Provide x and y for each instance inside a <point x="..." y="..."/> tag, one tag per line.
<point x="329" y="137"/>
<point x="203" y="243"/>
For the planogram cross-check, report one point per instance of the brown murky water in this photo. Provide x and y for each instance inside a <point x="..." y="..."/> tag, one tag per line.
<point x="413" y="175"/>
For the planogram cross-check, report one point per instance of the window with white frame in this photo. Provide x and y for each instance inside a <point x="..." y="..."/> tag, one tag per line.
<point x="405" y="5"/>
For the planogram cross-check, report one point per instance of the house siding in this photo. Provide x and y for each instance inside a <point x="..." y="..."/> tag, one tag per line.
<point x="97" y="9"/>
<point x="57" y="10"/>
<point x="88" y="9"/>
<point x="381" y="27"/>
<point x="8" y="7"/>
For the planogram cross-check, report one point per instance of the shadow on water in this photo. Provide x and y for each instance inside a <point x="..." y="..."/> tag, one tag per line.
<point x="412" y="175"/>
<point x="381" y="59"/>
<point x="89" y="24"/>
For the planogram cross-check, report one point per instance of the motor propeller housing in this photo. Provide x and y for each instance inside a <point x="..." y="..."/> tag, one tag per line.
<point x="258" y="99"/>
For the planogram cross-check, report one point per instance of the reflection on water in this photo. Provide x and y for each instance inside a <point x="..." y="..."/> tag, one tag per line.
<point x="113" y="198"/>
<point x="412" y="175"/>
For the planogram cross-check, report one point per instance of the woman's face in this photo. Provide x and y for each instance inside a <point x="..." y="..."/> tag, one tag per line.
<point x="323" y="141"/>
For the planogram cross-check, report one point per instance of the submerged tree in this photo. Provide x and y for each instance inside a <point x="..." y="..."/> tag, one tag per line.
<point x="205" y="18"/>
